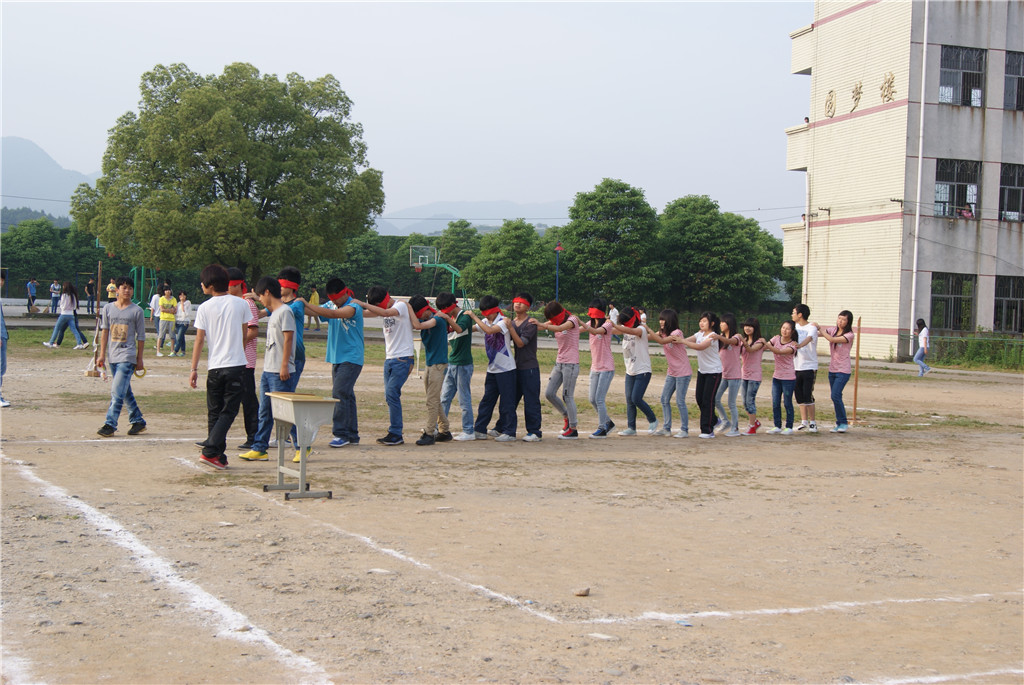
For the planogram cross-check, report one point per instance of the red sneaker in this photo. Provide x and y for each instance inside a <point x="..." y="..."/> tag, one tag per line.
<point x="219" y="463"/>
<point x="753" y="429"/>
<point x="565" y="426"/>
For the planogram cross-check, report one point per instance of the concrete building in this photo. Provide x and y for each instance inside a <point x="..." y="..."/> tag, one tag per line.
<point x="909" y="213"/>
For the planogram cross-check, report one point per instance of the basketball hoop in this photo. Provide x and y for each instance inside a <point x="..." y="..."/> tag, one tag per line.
<point x="418" y="268"/>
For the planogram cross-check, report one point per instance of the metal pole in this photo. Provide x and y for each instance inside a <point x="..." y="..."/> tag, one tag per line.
<point x="856" y="373"/>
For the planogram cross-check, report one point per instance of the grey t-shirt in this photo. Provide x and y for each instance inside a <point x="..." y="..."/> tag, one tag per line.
<point x="281" y="319"/>
<point x="127" y="328"/>
<point x="526" y="356"/>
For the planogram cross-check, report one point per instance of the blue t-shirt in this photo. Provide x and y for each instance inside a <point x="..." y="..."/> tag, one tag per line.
<point x="345" y="337"/>
<point x="435" y="341"/>
<point x="299" y="310"/>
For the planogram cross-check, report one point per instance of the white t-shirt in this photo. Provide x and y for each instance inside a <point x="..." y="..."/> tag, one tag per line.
<point x="708" y="359"/>
<point x="281" y="320"/>
<point x="806" y="358"/>
<point x="222" y="317"/>
<point x="398" y="333"/>
<point x="154" y="306"/>
<point x="922" y="337"/>
<point x="635" y="353"/>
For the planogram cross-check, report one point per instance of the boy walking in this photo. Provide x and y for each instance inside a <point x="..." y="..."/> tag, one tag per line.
<point x="223" y="319"/>
<point x="806" y="365"/>
<point x="345" y="355"/>
<point x="500" y="382"/>
<point x="124" y="334"/>
<point x="278" y="361"/>
<point x="398" y="353"/>
<point x="433" y="327"/>
<point x="460" y="370"/>
<point x="527" y="368"/>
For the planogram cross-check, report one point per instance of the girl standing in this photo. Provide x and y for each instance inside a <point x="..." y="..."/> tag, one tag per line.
<point x="602" y="365"/>
<point x="638" y="369"/>
<point x="182" y="318"/>
<point x="67" y="303"/>
<point x="839" y="338"/>
<point x="566" y="327"/>
<point x="679" y="372"/>
<point x="709" y="370"/>
<point x="784" y="379"/>
<point x="732" y="375"/>
<point x="922" y="349"/>
<point x="751" y="352"/>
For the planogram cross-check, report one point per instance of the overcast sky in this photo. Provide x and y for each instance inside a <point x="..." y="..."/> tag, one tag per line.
<point x="527" y="102"/>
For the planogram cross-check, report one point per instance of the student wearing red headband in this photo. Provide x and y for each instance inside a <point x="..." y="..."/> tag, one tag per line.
<point x="637" y="358"/>
<point x="500" y="382"/>
<point x="460" y="370"/>
<point x="566" y="327"/>
<point x="433" y="327"/>
<point x="527" y="368"/>
<point x="602" y="364"/>
<point x="398" y="355"/>
<point x="345" y="354"/>
<point x="250" y="402"/>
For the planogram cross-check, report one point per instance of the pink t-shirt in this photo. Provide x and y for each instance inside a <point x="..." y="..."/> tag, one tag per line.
<point x="569" y="343"/>
<point x="751" y="363"/>
<point x="784" y="362"/>
<point x="601" y="350"/>
<point x="250" y="347"/>
<point x="839" y="361"/>
<point x="730" y="356"/>
<point x="677" y="357"/>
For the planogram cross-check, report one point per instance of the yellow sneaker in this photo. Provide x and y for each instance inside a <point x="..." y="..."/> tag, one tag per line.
<point x="298" y="456"/>
<point x="253" y="455"/>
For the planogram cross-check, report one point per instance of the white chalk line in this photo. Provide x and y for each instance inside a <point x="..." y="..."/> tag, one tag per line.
<point x="229" y="622"/>
<point x="97" y="440"/>
<point x="924" y="680"/>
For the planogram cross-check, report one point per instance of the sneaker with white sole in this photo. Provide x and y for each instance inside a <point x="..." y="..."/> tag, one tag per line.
<point x="505" y="437"/>
<point x="569" y="434"/>
<point x="627" y="431"/>
<point x="802" y="426"/>
<point x="733" y="434"/>
<point x="720" y="426"/>
<point x="477" y="435"/>
<point x="532" y="437"/>
<point x="462" y="437"/>
<point x="706" y="435"/>
<point x="841" y="428"/>
<point x="662" y="431"/>
<point x="652" y="428"/>
<point x="812" y="428"/>
<point x="159" y="353"/>
<point x="774" y="430"/>
<point x="493" y="433"/>
<point x="681" y="434"/>
<point x="786" y="431"/>
<point x="600" y="433"/>
<point x="752" y="429"/>
<point x="82" y="346"/>
<point x="337" y="442"/>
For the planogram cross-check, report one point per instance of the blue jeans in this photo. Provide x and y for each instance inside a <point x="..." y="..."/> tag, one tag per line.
<point x="838" y="381"/>
<point x="179" y="337"/>
<point x="600" y="381"/>
<point x="636" y="386"/>
<point x="564" y="375"/>
<point x="63" y="322"/>
<point x="500" y="389"/>
<point x="733" y="386"/>
<point x="919" y="360"/>
<point x="677" y="385"/>
<point x="456" y="380"/>
<point x="396" y="373"/>
<point x="346" y="422"/>
<point x="269" y="382"/>
<point x="527" y="390"/>
<point x="782" y="391"/>
<point x="121" y="393"/>
<point x="750" y="389"/>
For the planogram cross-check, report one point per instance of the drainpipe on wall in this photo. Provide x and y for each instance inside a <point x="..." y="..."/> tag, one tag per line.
<point x="920" y="164"/>
<point x="807" y="232"/>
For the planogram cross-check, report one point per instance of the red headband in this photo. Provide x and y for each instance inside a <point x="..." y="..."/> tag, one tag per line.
<point x="285" y="283"/>
<point x="559" y="318"/>
<point x="424" y="308"/>
<point x="492" y="310"/>
<point x="343" y="294"/>
<point x="521" y="301"/>
<point x="632" y="320"/>
<point x="232" y="284"/>
<point x="450" y="308"/>
<point x="596" y="313"/>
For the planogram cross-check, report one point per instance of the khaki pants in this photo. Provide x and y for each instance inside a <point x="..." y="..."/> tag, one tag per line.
<point x="432" y="382"/>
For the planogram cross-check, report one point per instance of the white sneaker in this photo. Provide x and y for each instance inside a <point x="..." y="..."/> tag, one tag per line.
<point x="733" y="434"/>
<point x="662" y="431"/>
<point x="505" y="437"/>
<point x="464" y="436"/>
<point x="802" y="426"/>
<point x="4" y="403"/>
<point x="493" y="433"/>
<point x="531" y="437"/>
<point x="774" y="431"/>
<point x="720" y="426"/>
<point x="627" y="431"/>
<point x="813" y="428"/>
<point x="680" y="434"/>
<point x="48" y="344"/>
<point x="159" y="353"/>
<point x="786" y="431"/>
<point x="706" y="435"/>
<point x="652" y="428"/>
<point x="82" y="346"/>
<point x="477" y="435"/>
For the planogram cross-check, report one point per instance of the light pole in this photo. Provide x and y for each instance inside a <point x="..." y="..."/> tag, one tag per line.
<point x="558" y="252"/>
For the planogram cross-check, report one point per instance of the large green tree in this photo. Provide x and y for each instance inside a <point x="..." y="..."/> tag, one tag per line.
<point x="609" y="245"/>
<point x="459" y="243"/>
<point x="511" y="260"/>
<point x="241" y="168"/>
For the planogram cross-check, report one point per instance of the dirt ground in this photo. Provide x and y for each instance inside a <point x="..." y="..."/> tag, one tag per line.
<point x="891" y="554"/>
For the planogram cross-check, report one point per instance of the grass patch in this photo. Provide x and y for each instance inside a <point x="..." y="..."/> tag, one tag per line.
<point x="190" y="403"/>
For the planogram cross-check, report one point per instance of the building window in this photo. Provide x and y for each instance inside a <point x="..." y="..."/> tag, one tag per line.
<point x="962" y="76"/>
<point x="956" y="188"/>
<point x="1009" y="309"/>
<point x="1011" y="192"/>
<point x="1013" y="95"/>
<point x="953" y="301"/>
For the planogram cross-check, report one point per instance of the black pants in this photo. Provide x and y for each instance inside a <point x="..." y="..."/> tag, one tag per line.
<point x="250" y="404"/>
<point x="707" y="387"/>
<point x="528" y="391"/>
<point x="224" y="390"/>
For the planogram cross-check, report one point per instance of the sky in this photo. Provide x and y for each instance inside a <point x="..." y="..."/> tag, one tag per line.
<point x="526" y="102"/>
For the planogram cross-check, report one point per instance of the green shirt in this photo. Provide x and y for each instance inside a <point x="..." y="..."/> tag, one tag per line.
<point x="462" y="352"/>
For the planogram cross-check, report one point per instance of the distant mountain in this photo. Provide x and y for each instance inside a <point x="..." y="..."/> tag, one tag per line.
<point x="29" y="177"/>
<point x="434" y="217"/>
